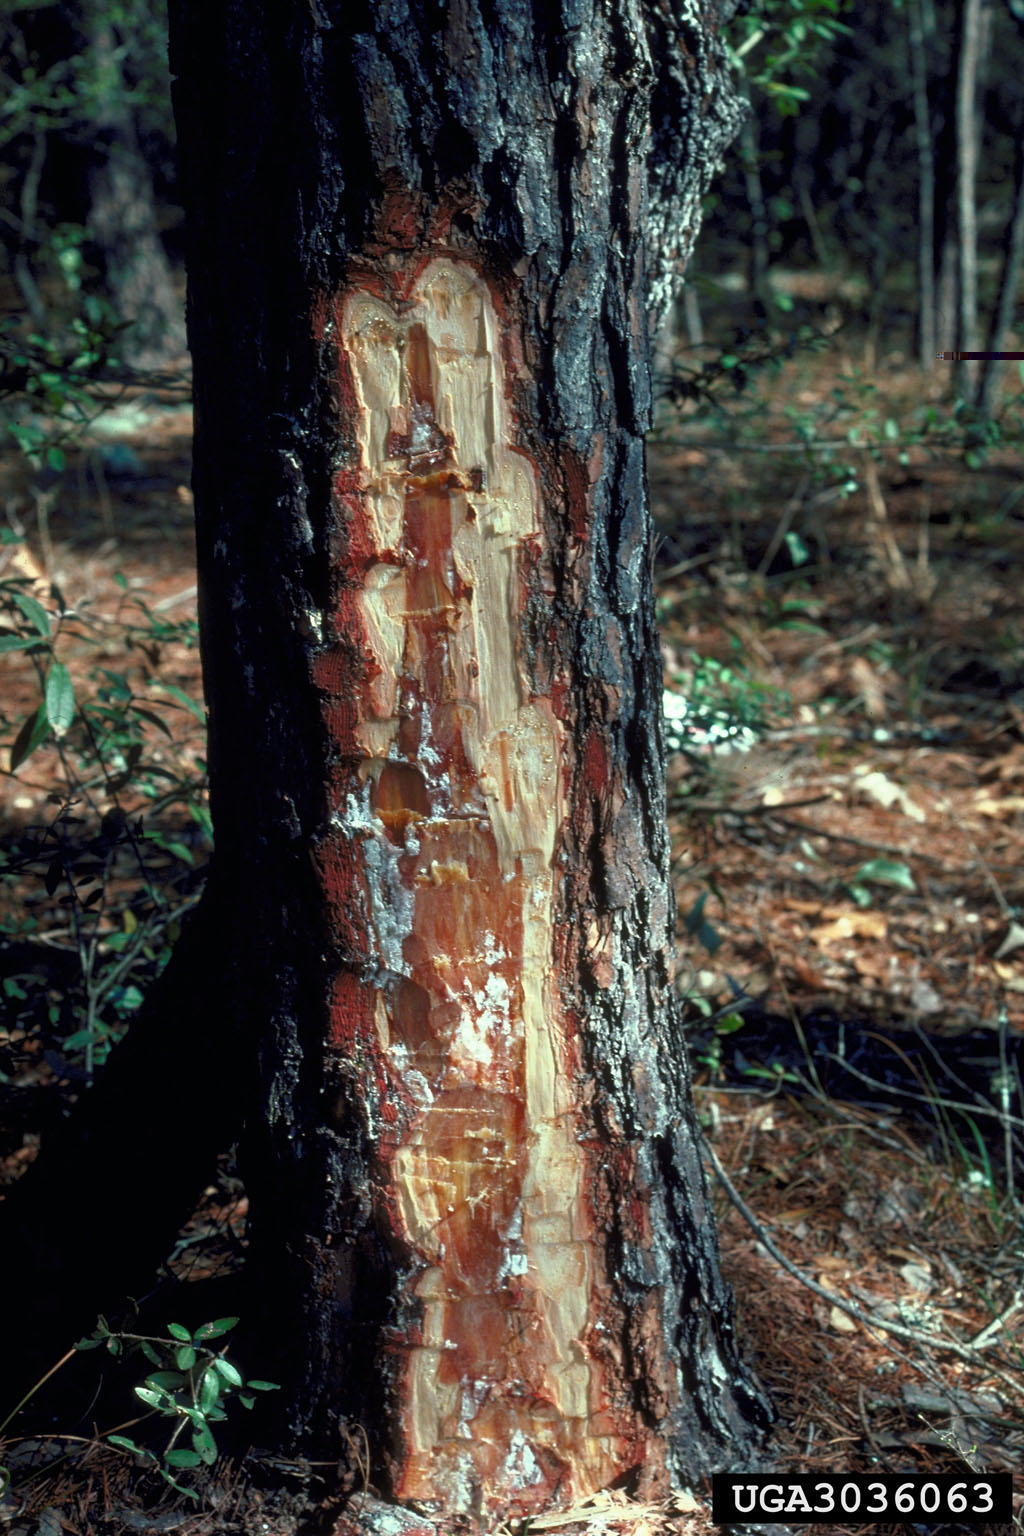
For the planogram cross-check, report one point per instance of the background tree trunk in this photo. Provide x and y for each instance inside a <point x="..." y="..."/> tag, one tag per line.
<point x="926" y="323"/>
<point x="759" y="221"/>
<point x="968" y="134"/>
<point x="427" y="252"/>
<point x="1009" y="281"/>
<point x="123" y="214"/>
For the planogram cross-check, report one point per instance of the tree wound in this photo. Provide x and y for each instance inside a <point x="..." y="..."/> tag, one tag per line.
<point x="458" y="821"/>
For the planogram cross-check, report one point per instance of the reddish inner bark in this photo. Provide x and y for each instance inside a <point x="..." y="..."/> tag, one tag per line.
<point x="456" y="814"/>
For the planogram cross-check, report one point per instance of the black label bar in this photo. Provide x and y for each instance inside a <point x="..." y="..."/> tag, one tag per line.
<point x="866" y="1498"/>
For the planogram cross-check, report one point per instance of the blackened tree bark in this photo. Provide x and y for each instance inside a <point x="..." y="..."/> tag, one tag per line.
<point x="429" y="245"/>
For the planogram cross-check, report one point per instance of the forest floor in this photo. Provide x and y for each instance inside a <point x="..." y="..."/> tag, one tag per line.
<point x="840" y="610"/>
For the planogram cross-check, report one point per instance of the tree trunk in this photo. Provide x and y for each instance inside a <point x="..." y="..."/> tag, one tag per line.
<point x="926" y="317"/>
<point x="947" y="43"/>
<point x="123" y="215"/>
<point x="760" y="224"/>
<point x="427" y="252"/>
<point x="1009" y="282"/>
<point x="973" y="31"/>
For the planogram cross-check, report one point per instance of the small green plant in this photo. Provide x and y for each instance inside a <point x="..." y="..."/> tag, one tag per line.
<point x="890" y="872"/>
<point x="791" y="35"/>
<point x="48" y="385"/>
<point x="193" y="1383"/>
<point x="718" y="705"/>
<point x="709" y="1053"/>
<point x="190" y="1389"/>
<point x="111" y="782"/>
<point x="719" y="384"/>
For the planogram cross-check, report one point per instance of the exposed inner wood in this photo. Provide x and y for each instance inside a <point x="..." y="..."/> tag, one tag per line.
<point x="462" y="803"/>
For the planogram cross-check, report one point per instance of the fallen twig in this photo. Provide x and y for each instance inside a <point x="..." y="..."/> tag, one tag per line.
<point x="887" y="849"/>
<point x="727" y="808"/>
<point x="917" y="1336"/>
<point x="990" y="1330"/>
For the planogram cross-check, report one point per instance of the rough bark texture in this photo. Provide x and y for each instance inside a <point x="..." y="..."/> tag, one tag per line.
<point x="428" y="251"/>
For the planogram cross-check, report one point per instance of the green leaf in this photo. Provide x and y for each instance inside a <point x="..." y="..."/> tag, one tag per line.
<point x="184" y="700"/>
<point x="727" y="1026"/>
<point x="154" y="1399"/>
<point x="60" y="698"/>
<point x="182" y="1458"/>
<point x="179" y="1331"/>
<point x="77" y="1042"/>
<point x="33" y="611"/>
<point x="209" y="1391"/>
<point x="227" y="1372"/>
<point x="33" y="732"/>
<point x="168" y="1381"/>
<point x="185" y="1357"/>
<point x="16" y="643"/>
<point x="697" y="925"/>
<point x="205" y="1444"/>
<point x="215" y="1329"/>
<point x="798" y="551"/>
<point x="124" y="1444"/>
<point x="54" y="874"/>
<point x="887" y="872"/>
<point x="174" y="845"/>
<point x="891" y="429"/>
<point x="126" y="999"/>
<point x="144" y="1344"/>
<point x="787" y="94"/>
<point x="245" y="1400"/>
<point x="152" y="717"/>
<point x="263" y="1386"/>
<point x="189" y="1493"/>
<point x="776" y="1073"/>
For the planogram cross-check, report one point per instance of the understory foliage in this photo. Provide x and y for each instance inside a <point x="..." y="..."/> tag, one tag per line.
<point x="111" y="873"/>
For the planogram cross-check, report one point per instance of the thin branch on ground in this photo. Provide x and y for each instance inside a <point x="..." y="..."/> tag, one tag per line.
<point x="969" y="1351"/>
<point x="870" y="847"/>
<point x="729" y="808"/>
